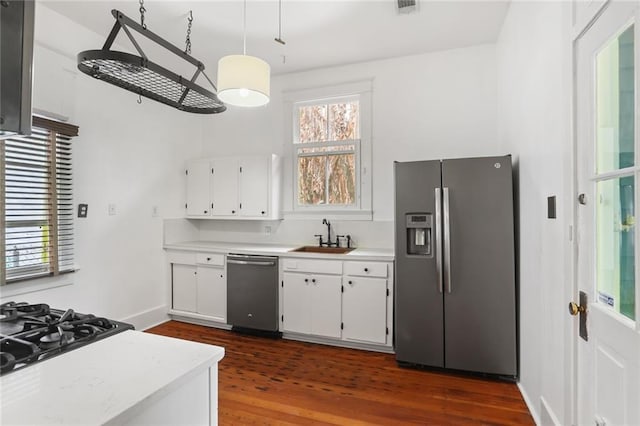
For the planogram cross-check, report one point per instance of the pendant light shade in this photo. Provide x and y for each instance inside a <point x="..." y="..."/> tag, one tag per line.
<point x="243" y="80"/>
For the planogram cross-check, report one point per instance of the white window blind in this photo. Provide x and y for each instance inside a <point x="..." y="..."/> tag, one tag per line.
<point x="38" y="202"/>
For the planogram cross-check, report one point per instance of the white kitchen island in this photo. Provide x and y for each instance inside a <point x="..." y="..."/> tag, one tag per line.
<point x="129" y="378"/>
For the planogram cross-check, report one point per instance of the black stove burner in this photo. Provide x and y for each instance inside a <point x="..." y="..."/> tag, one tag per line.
<point x="30" y="333"/>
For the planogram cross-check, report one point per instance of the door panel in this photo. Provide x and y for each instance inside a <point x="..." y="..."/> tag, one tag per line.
<point x="224" y="189"/>
<point x="418" y="297"/>
<point x="480" y="302"/>
<point x="254" y="186"/>
<point x="212" y="293"/>
<point x="183" y="286"/>
<point x="364" y="308"/>
<point x="198" y="174"/>
<point x="296" y="303"/>
<point x="608" y="363"/>
<point x="326" y="305"/>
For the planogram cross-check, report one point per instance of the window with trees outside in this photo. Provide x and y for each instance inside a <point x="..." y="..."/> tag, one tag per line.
<point x="327" y="148"/>
<point x="37" y="202"/>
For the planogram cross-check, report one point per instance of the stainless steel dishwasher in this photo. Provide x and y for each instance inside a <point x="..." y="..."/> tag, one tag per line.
<point x="252" y="292"/>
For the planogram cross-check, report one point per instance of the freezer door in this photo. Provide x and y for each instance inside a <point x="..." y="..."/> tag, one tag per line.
<point x="418" y="294"/>
<point x="480" y="299"/>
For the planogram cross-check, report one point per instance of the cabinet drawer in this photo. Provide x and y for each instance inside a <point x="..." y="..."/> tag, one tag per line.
<point x="210" y="259"/>
<point x="312" y="266"/>
<point x="366" y="269"/>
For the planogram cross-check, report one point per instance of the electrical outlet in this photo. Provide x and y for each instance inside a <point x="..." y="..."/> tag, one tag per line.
<point x="112" y="209"/>
<point x="154" y="211"/>
<point x="267" y="230"/>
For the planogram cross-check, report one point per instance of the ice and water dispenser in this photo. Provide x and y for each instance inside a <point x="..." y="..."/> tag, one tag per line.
<point x="419" y="233"/>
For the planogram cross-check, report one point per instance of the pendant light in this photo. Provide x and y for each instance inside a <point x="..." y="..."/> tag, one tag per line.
<point x="243" y="80"/>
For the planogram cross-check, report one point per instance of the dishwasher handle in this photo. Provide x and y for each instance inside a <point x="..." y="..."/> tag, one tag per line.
<point x="251" y="262"/>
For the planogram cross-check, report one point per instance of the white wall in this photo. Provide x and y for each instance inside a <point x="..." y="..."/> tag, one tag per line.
<point x="127" y="154"/>
<point x="428" y="106"/>
<point x="534" y="60"/>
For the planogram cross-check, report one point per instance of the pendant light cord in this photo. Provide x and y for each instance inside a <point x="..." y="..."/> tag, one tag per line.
<point x="244" y="30"/>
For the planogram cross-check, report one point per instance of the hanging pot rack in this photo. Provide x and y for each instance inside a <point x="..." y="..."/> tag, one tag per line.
<point x="139" y="75"/>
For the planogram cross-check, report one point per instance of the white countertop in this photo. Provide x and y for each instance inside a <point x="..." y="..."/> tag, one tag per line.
<point x="283" y="250"/>
<point x="103" y="382"/>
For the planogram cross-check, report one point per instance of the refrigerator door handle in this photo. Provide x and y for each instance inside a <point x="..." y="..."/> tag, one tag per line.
<point x="447" y="239"/>
<point x="438" y="238"/>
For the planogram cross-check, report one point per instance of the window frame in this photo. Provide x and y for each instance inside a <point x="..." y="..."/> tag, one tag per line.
<point x="60" y="137"/>
<point x="360" y="91"/>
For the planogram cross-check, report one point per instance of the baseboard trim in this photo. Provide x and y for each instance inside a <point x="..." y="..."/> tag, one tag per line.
<point x="149" y="318"/>
<point x="339" y="343"/>
<point x="534" y="413"/>
<point x="547" y="416"/>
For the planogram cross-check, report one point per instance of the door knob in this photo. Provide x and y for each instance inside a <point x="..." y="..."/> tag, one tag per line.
<point x="575" y="309"/>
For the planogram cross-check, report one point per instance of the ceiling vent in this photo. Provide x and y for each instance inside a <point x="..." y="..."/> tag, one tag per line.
<point x="407" y="6"/>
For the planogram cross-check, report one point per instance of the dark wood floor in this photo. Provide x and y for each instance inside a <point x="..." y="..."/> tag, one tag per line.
<point x="265" y="381"/>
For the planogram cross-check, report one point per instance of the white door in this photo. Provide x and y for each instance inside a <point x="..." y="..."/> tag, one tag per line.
<point x="224" y="187"/>
<point x="608" y="168"/>
<point x="364" y="309"/>
<point x="254" y="186"/>
<point x="326" y="307"/>
<point x="296" y="303"/>
<point x="212" y="293"/>
<point x="183" y="286"/>
<point x="198" y="174"/>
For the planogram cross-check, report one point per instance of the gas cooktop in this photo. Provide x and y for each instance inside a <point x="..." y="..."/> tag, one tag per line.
<point x="31" y="333"/>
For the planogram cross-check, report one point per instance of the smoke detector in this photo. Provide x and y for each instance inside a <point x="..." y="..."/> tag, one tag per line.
<point x="407" y="6"/>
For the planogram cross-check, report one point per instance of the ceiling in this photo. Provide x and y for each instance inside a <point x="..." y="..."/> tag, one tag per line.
<point x="318" y="33"/>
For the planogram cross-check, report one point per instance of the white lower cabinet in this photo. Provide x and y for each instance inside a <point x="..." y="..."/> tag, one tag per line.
<point x="201" y="288"/>
<point x="312" y="304"/>
<point x="211" y="293"/>
<point x="184" y="287"/>
<point x="364" y="309"/>
<point x="349" y="301"/>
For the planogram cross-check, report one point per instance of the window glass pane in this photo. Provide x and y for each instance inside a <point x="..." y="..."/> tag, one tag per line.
<point x="312" y="177"/>
<point x="615" y="250"/>
<point x="615" y="104"/>
<point x="331" y="148"/>
<point x="342" y="179"/>
<point x="344" y="121"/>
<point x="312" y="123"/>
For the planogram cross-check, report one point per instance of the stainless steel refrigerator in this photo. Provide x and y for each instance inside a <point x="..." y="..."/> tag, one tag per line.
<point x="455" y="292"/>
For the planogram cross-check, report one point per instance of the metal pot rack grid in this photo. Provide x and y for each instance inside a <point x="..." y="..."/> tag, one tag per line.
<point x="139" y="75"/>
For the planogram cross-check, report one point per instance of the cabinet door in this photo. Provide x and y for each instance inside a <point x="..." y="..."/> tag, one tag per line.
<point x="326" y="305"/>
<point x="254" y="186"/>
<point x="364" y="309"/>
<point x="198" y="176"/>
<point x="184" y="287"/>
<point x="296" y="300"/>
<point x="224" y="187"/>
<point x="212" y="293"/>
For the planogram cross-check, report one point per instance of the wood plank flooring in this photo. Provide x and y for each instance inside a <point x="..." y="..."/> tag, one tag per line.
<point x="283" y="382"/>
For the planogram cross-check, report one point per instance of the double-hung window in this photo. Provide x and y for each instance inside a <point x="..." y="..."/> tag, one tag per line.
<point x="37" y="202"/>
<point x="331" y="153"/>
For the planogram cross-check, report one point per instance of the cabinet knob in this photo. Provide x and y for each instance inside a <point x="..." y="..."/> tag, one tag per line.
<point x="366" y="269"/>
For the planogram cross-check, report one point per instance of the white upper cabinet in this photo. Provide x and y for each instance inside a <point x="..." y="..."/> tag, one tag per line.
<point x="224" y="187"/>
<point x="198" y="179"/>
<point x="254" y="188"/>
<point x="234" y="188"/>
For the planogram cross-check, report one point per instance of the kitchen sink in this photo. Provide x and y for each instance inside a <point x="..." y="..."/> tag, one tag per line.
<point x="316" y="249"/>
